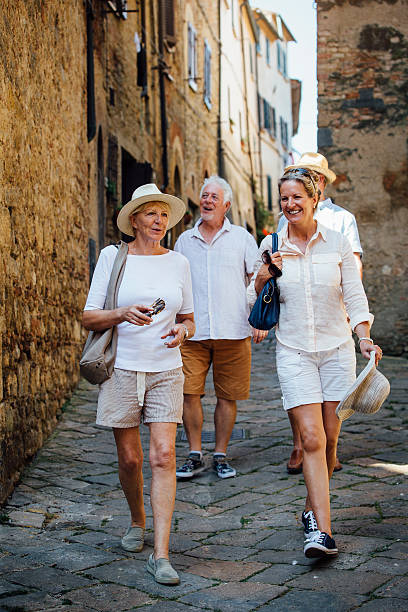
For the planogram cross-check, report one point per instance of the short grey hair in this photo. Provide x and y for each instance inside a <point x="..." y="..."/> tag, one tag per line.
<point x="222" y="184"/>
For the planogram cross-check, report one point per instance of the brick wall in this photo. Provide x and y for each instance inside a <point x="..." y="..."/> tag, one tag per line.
<point x="363" y="107"/>
<point x="43" y="209"/>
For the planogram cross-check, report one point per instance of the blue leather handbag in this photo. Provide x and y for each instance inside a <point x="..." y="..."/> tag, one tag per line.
<point x="265" y="311"/>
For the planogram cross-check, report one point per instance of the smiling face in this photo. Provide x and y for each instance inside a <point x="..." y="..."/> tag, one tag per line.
<point x="151" y="222"/>
<point x="297" y="205"/>
<point x="212" y="205"/>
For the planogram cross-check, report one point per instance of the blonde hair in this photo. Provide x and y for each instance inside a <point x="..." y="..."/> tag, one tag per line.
<point x="308" y="178"/>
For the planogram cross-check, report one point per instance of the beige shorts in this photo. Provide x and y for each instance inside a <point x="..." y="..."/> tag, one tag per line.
<point x="231" y="361"/>
<point x="313" y="378"/>
<point x="129" y="397"/>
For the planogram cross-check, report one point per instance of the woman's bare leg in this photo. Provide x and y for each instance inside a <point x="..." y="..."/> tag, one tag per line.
<point x="130" y="458"/>
<point x="332" y="427"/>
<point x="163" y="490"/>
<point x="309" y="419"/>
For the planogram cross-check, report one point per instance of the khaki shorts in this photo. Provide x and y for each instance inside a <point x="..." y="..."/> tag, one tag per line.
<point x="231" y="361"/>
<point x="129" y="397"/>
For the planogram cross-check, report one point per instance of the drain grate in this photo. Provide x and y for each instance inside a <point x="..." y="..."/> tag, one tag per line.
<point x="209" y="436"/>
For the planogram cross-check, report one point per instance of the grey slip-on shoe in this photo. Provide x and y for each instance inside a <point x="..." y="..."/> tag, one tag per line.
<point x="133" y="539"/>
<point x="162" y="571"/>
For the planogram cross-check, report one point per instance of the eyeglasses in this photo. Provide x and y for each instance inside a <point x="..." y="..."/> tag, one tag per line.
<point x="272" y="268"/>
<point x="158" y="305"/>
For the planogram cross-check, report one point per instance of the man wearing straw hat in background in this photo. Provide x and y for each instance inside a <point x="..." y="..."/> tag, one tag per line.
<point x="336" y="218"/>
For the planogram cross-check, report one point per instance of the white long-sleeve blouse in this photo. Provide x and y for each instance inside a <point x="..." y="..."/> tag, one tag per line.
<point x="317" y="289"/>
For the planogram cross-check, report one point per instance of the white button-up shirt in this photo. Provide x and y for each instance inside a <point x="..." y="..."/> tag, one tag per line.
<point x="219" y="273"/>
<point x="336" y="218"/>
<point x="317" y="289"/>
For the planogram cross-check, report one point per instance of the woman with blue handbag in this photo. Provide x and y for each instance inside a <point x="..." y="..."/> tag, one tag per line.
<point x="319" y="286"/>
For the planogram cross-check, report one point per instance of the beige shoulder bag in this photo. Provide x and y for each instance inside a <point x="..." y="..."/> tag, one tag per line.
<point x="99" y="354"/>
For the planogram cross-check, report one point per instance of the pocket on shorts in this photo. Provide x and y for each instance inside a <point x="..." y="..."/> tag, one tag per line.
<point x="346" y="355"/>
<point x="288" y="363"/>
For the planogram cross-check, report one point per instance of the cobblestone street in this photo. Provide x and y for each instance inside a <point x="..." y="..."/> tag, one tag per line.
<point x="237" y="544"/>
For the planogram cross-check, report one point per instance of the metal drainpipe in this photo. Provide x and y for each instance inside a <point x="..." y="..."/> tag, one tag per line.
<point x="163" y="117"/>
<point x="246" y="104"/>
<point x="219" y="141"/>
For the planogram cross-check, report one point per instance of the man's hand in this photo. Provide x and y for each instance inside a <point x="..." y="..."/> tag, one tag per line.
<point x="258" y="335"/>
<point x="179" y="333"/>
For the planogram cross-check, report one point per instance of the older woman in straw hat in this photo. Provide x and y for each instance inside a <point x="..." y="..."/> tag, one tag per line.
<point x="154" y="316"/>
<point x="315" y="354"/>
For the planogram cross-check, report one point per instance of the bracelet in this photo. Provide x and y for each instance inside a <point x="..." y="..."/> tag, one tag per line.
<point x="368" y="340"/>
<point x="186" y="328"/>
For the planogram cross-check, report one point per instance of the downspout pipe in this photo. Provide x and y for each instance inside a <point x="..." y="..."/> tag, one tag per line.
<point x="90" y="73"/>
<point x="253" y="178"/>
<point x="219" y="140"/>
<point x="163" y="114"/>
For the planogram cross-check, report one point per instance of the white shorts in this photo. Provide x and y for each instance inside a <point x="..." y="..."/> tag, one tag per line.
<point x="312" y="378"/>
<point x="128" y="396"/>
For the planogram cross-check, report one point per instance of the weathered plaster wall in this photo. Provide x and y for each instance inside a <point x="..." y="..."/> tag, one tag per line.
<point x="43" y="210"/>
<point x="362" y="71"/>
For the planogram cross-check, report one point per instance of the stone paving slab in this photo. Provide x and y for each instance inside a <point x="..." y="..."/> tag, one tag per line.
<point x="237" y="544"/>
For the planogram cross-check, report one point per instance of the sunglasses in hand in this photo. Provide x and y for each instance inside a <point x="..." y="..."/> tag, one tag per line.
<point x="158" y="305"/>
<point x="273" y="269"/>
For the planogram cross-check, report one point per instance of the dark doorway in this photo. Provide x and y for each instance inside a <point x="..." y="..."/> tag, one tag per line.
<point x="134" y="174"/>
<point x="101" y="193"/>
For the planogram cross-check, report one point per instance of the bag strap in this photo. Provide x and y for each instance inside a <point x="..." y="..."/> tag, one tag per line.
<point x="118" y="269"/>
<point x="275" y="243"/>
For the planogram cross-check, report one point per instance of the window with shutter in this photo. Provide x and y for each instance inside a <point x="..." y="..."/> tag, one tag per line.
<point x="207" y="74"/>
<point x="168" y="20"/>
<point x="269" y="185"/>
<point x="192" y="56"/>
<point x="273" y="122"/>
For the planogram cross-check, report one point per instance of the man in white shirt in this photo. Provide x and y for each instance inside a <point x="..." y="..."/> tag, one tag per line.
<point x="336" y="218"/>
<point x="221" y="257"/>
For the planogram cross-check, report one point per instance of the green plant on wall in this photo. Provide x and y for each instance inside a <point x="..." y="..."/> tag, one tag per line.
<point x="263" y="218"/>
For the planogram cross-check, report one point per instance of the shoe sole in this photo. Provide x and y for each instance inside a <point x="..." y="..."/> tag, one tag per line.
<point x="317" y="551"/>
<point x="169" y="581"/>
<point x="225" y="475"/>
<point x="131" y="549"/>
<point x="187" y="476"/>
<point x="338" y="469"/>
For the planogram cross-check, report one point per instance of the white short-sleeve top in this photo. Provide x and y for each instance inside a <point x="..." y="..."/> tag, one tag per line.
<point x="146" y="278"/>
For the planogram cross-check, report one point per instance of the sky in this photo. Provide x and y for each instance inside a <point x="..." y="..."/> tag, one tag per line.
<point x="300" y="18"/>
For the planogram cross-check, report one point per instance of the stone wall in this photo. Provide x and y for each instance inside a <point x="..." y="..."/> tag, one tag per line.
<point x="43" y="210"/>
<point x="363" y="107"/>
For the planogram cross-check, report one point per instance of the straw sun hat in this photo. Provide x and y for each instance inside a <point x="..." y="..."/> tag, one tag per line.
<point x="149" y="193"/>
<point x="316" y="162"/>
<point x="367" y="394"/>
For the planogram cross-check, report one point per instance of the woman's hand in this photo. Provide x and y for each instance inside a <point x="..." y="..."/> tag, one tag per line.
<point x="366" y="348"/>
<point x="179" y="333"/>
<point x="258" y="335"/>
<point x="265" y="272"/>
<point x="137" y="314"/>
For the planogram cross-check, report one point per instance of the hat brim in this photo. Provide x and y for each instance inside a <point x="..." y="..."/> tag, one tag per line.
<point x="177" y="210"/>
<point x="329" y="174"/>
<point x="367" y="394"/>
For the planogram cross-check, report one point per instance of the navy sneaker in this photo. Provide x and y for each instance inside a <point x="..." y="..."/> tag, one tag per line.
<point x="309" y="523"/>
<point x="193" y="466"/>
<point x="320" y="544"/>
<point x="222" y="468"/>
